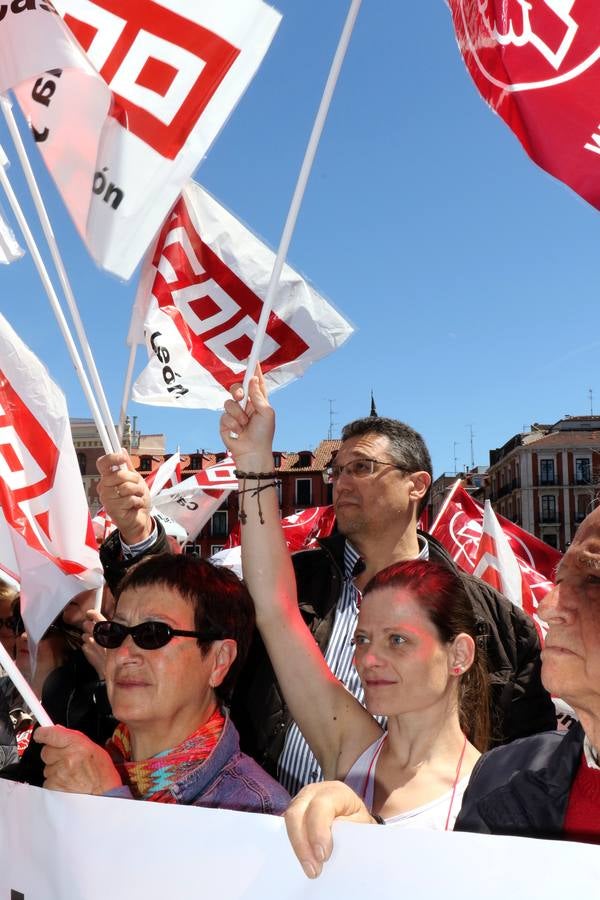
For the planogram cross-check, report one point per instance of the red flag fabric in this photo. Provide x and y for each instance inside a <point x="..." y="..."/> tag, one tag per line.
<point x="300" y="530"/>
<point x="103" y="525"/>
<point x="46" y="535"/>
<point x="123" y="125"/>
<point x="210" y="275"/>
<point x="459" y="527"/>
<point x="537" y="64"/>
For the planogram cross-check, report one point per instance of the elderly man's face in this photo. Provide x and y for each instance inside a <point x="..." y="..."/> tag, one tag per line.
<point x="571" y="654"/>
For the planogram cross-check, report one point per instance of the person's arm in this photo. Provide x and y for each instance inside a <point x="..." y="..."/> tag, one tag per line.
<point x="75" y="764"/>
<point x="310" y="816"/>
<point x="332" y="721"/>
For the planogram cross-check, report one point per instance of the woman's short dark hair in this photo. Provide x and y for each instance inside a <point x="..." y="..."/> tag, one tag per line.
<point x="441" y="594"/>
<point x="219" y="599"/>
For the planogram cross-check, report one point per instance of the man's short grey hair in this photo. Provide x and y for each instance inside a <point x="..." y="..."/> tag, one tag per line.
<point x="407" y="447"/>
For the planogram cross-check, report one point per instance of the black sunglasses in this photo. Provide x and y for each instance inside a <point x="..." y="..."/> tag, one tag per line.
<point x="9" y="622"/>
<point x="147" y="635"/>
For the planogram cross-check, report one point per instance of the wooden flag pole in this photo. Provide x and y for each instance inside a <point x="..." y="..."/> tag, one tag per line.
<point x="23" y="687"/>
<point x="114" y="442"/>
<point x="300" y="188"/>
<point x="54" y="302"/>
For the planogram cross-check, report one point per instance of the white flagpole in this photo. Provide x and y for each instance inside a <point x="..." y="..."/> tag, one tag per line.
<point x="444" y="506"/>
<point x="300" y="188"/>
<point x="62" y="274"/>
<point x="23" y="687"/>
<point x="54" y="302"/>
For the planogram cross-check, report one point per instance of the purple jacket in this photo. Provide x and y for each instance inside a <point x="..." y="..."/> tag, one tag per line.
<point x="228" y="779"/>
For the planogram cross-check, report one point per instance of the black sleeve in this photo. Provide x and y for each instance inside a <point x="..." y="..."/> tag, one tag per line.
<point x="115" y="564"/>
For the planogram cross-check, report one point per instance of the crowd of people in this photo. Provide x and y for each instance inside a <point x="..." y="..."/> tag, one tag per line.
<point x="369" y="679"/>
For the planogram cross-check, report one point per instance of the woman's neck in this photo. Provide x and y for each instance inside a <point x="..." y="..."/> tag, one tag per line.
<point x="148" y="741"/>
<point x="419" y="737"/>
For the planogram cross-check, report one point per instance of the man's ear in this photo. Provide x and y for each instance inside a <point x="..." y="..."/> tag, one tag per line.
<point x="223" y="661"/>
<point x="421" y="482"/>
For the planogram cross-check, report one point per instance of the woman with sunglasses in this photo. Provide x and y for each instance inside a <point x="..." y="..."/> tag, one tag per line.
<point x="179" y="635"/>
<point x="415" y="652"/>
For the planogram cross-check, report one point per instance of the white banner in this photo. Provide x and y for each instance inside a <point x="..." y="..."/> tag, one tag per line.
<point x="211" y="276"/>
<point x="121" y="146"/>
<point x="192" y="503"/>
<point x="56" y="846"/>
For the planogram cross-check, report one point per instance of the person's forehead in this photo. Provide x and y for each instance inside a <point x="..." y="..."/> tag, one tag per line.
<point x="153" y="600"/>
<point x="363" y="445"/>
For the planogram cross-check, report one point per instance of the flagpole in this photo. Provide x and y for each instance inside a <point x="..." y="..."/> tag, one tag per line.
<point x="126" y="389"/>
<point x="62" y="274"/>
<point x="23" y="687"/>
<point x="54" y="302"/>
<point x="300" y="188"/>
<point x="444" y="506"/>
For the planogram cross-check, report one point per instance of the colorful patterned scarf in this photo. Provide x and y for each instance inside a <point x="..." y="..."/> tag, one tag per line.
<point x="152" y="779"/>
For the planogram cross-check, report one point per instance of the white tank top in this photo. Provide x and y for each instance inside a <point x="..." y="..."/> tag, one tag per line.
<point x="432" y="815"/>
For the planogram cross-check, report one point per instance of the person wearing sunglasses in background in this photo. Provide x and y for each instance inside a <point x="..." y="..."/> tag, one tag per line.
<point x="178" y="637"/>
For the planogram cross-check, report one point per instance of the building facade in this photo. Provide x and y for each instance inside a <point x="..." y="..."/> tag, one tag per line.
<point x="547" y="480"/>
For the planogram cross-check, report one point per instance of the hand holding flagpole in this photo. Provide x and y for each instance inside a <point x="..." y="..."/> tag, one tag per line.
<point x="23" y="687"/>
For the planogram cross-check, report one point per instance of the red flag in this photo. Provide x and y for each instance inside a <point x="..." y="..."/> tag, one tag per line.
<point x="537" y="64"/>
<point x="459" y="527"/>
<point x="300" y="530"/>
<point x="46" y="535"/>
<point x="192" y="503"/>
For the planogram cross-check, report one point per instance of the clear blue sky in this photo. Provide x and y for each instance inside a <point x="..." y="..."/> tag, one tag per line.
<point x="470" y="275"/>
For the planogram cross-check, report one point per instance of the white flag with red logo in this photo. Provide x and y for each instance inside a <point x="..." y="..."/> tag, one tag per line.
<point x="497" y="564"/>
<point x="166" y="476"/>
<point x="211" y="276"/>
<point x="192" y="503"/>
<point x="121" y="146"/>
<point x="460" y="526"/>
<point x="46" y="535"/>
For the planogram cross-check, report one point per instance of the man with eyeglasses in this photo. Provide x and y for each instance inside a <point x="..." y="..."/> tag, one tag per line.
<point x="381" y="478"/>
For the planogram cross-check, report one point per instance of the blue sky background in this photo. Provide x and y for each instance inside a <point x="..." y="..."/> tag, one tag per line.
<point x="471" y="276"/>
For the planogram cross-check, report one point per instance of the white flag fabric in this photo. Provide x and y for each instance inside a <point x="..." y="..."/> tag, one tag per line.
<point x="167" y="475"/>
<point x="46" y="535"/>
<point x="211" y="276"/>
<point x="120" y="145"/>
<point x="192" y="503"/>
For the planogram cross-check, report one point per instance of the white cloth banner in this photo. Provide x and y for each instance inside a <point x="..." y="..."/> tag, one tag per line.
<point x="121" y="146"/>
<point x="56" y="846"/>
<point x="46" y="535"/>
<point x="211" y="278"/>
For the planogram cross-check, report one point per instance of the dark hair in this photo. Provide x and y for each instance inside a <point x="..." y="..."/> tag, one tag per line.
<point x="441" y="594"/>
<point x="219" y="599"/>
<point x="407" y="447"/>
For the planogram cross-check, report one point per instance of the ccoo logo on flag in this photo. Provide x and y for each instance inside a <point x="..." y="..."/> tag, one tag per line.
<point x="217" y="312"/>
<point x="162" y="68"/>
<point x="543" y="42"/>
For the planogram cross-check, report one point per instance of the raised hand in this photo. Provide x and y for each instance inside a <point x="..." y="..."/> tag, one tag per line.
<point x="125" y="496"/>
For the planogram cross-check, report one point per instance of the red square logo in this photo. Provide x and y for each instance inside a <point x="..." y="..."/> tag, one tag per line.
<point x="163" y="68"/>
<point x="216" y="313"/>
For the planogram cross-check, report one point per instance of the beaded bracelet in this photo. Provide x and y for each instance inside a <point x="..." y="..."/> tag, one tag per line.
<point x="254" y="476"/>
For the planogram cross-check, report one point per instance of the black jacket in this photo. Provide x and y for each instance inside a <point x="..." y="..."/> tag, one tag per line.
<point x="520" y="704"/>
<point x="523" y="789"/>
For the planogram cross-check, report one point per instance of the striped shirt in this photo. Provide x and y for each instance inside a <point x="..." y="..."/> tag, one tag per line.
<point x="297" y="763"/>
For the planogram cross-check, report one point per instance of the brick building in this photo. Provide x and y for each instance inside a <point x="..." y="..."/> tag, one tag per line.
<point x="300" y="473"/>
<point x="547" y="479"/>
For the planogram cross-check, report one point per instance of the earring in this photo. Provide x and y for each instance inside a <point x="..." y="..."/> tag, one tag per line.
<point x="457" y="670"/>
